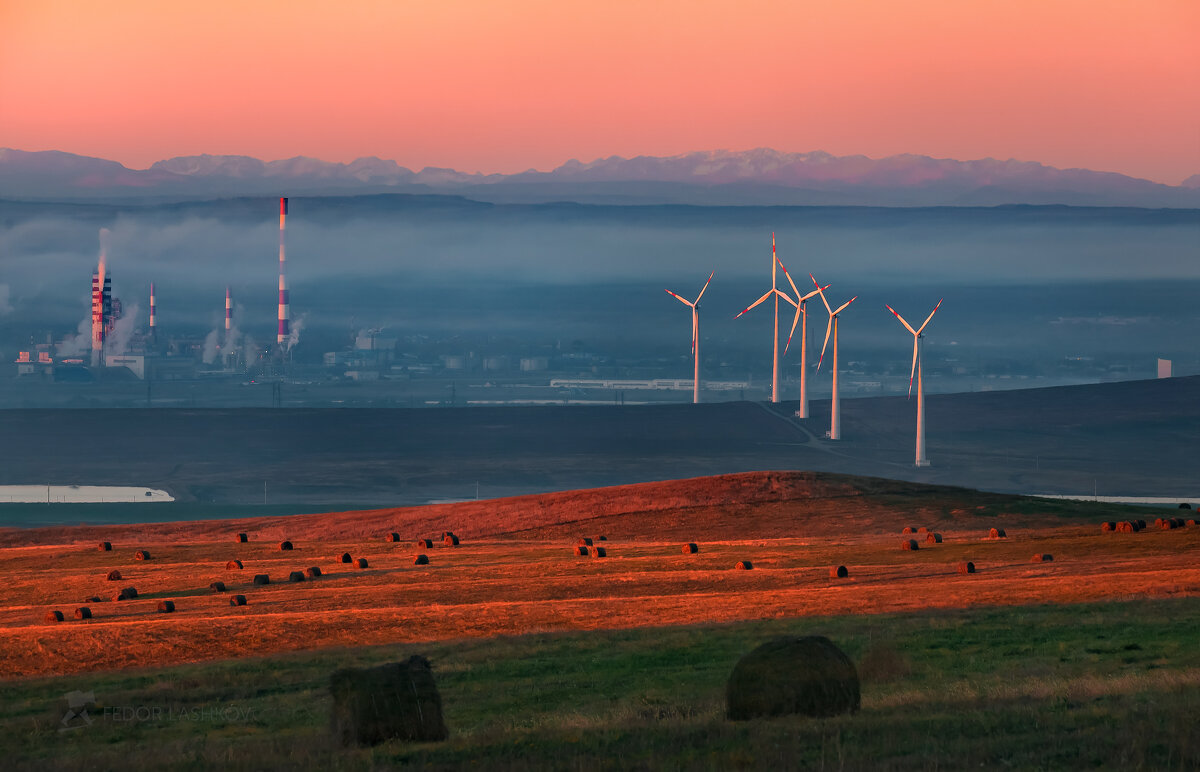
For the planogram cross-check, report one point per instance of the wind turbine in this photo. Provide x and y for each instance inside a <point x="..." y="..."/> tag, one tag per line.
<point x="695" y="336"/>
<point x="775" y="338"/>
<point x="835" y="408"/>
<point x="922" y="460"/>
<point x="801" y="310"/>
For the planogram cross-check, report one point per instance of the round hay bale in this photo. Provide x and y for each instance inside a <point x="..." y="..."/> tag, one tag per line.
<point x="808" y="675"/>
<point x="1192" y="522"/>
<point x="997" y="533"/>
<point x="420" y="560"/>
<point x="393" y="537"/>
<point x="450" y="540"/>
<point x="1141" y="524"/>
<point x="217" y="587"/>
<point x="296" y="576"/>
<point x="262" y="579"/>
<point x="83" y="612"/>
<point x="361" y="563"/>
<point x="601" y="538"/>
<point x="424" y="544"/>
<point x="933" y="538"/>
<point x="1043" y="557"/>
<point x="1166" y="524"/>
<point x="907" y="530"/>
<point x="599" y="552"/>
<point x="923" y="529"/>
<point x="691" y="548"/>
<point x="312" y="572"/>
<point x="166" y="606"/>
<point x="396" y="701"/>
<point x="744" y="565"/>
<point x="54" y="616"/>
<point x="1158" y="522"/>
<point x="1107" y="526"/>
<point x="93" y="599"/>
<point x="1124" y="527"/>
<point x="237" y="600"/>
<point x="1179" y="522"/>
<point x="838" y="572"/>
<point x="909" y="545"/>
<point x="114" y="576"/>
<point x="141" y="555"/>
<point x="233" y="565"/>
<point x="966" y="567"/>
<point x="1185" y="505"/>
<point x="581" y="550"/>
<point x="285" y="545"/>
<point x="105" y="546"/>
<point x="242" y="538"/>
<point x="345" y="558"/>
<point x="584" y="540"/>
<point x="126" y="593"/>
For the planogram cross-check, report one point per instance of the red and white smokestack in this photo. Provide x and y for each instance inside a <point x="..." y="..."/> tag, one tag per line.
<point x="228" y="313"/>
<point x="284" y="311"/>
<point x="153" y="313"/>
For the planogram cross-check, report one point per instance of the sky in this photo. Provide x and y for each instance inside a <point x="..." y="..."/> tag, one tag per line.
<point x="519" y="84"/>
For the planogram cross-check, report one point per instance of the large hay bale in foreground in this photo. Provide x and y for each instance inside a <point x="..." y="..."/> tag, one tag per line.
<point x="126" y="593"/>
<point x="421" y="560"/>
<point x="744" y="565"/>
<point x="114" y="576"/>
<point x="838" y="572"/>
<point x="242" y="538"/>
<point x="105" y="546"/>
<point x="690" y="548"/>
<point x="808" y="675"/>
<point x="1043" y="557"/>
<point x="233" y="565"/>
<point x="909" y="545"/>
<point x="83" y="612"/>
<point x="54" y="616"/>
<point x="361" y="563"/>
<point x="285" y="545"/>
<point x="581" y="550"/>
<point x="141" y="555"/>
<point x="217" y="587"/>
<point x="933" y="538"/>
<point x="966" y="567"/>
<point x="397" y="701"/>
<point x="312" y="572"/>
<point x="166" y="606"/>
<point x="262" y="579"/>
<point x="237" y="600"/>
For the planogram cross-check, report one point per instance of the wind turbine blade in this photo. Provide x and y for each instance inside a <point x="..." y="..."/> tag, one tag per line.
<point x="789" y="277"/>
<point x="795" y="321"/>
<point x="681" y="300"/>
<point x="752" y="305"/>
<point x="907" y="326"/>
<point x="931" y="313"/>
<point x="842" y="307"/>
<point x="815" y="292"/>
<point x="695" y="331"/>
<point x="914" y="366"/>
<point x="774" y="260"/>
<point x="786" y="297"/>
<point x="828" y="327"/>
<point x="705" y="287"/>
<point x="821" y="292"/>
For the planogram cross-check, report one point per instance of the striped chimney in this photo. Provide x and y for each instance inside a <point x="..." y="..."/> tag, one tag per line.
<point x="228" y="313"/>
<point x="153" y="310"/>
<point x="284" y="311"/>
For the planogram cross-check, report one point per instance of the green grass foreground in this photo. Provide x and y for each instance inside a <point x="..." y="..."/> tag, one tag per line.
<point x="1113" y="685"/>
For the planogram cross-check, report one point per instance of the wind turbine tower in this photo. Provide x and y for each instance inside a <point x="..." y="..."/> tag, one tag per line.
<point x="695" y="336"/>
<point x="801" y="311"/>
<point x="775" y="338"/>
<point x="835" y="405"/>
<point x="922" y="459"/>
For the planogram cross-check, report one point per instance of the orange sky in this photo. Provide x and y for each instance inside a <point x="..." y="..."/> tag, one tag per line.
<point x="505" y="86"/>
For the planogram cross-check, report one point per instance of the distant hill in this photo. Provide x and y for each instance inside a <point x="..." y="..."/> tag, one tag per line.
<point x="760" y="177"/>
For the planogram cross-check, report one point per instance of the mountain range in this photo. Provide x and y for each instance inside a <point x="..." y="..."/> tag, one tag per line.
<point x="720" y="177"/>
